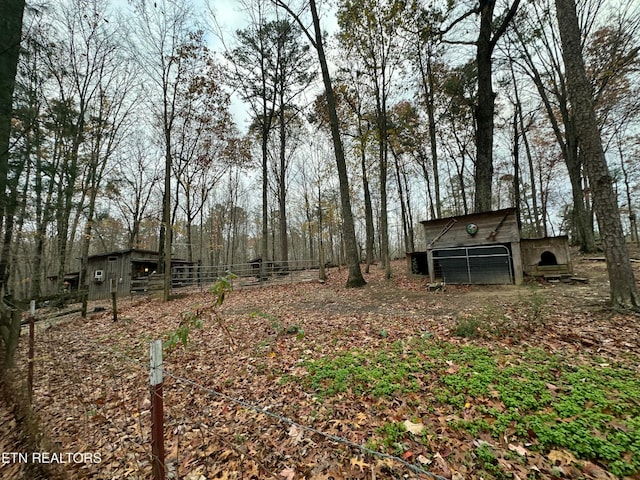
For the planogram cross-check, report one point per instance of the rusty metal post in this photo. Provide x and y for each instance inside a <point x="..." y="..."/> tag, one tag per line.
<point x="32" y="321"/>
<point x="157" y="412"/>
<point x="113" y="286"/>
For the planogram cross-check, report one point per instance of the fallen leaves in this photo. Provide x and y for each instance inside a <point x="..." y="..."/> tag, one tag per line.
<point x="296" y="433"/>
<point x="519" y="449"/>
<point x="288" y="473"/>
<point x="359" y="463"/>
<point x="415" y="428"/>
<point x="104" y="395"/>
<point x="561" y="458"/>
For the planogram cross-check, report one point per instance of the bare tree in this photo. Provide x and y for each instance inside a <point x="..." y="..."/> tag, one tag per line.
<point x="315" y="36"/>
<point x="165" y="27"/>
<point x="10" y="37"/>
<point x="541" y="62"/>
<point x="624" y="292"/>
<point x="255" y="61"/>
<point x="371" y="31"/>
<point x="132" y="184"/>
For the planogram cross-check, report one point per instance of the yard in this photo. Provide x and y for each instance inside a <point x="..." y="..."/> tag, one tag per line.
<point x="317" y="381"/>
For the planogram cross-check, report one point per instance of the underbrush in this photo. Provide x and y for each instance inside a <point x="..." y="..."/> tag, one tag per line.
<point x="534" y="398"/>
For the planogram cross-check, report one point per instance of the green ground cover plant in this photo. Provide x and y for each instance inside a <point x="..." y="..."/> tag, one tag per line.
<point x="538" y="398"/>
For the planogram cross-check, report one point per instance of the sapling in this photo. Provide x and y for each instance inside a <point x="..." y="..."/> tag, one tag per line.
<point x="193" y="319"/>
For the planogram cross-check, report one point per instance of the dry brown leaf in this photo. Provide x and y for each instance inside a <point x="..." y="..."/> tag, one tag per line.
<point x="288" y="473"/>
<point x="594" y="471"/>
<point x="358" y="462"/>
<point x="444" y="466"/>
<point x="519" y="449"/>
<point x="415" y="428"/>
<point x="296" y="433"/>
<point x="561" y="457"/>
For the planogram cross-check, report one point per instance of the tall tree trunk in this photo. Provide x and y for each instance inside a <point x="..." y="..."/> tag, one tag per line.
<point x="428" y="83"/>
<point x="65" y="202"/>
<point x="431" y="212"/>
<point x="403" y="205"/>
<point x="383" y="145"/>
<point x="368" y="211"/>
<point x="623" y="289"/>
<point x="164" y="244"/>
<point x="410" y="230"/>
<point x="569" y="147"/>
<point x="10" y="36"/>
<point x="516" y="165"/>
<point x="309" y="218"/>
<point x="282" y="186"/>
<point x="532" y="177"/>
<point x="384" y="214"/>
<point x="485" y="107"/>
<point x="95" y="177"/>
<point x="484" y="111"/>
<point x="355" y="278"/>
<point x="581" y="214"/>
<point x="14" y="199"/>
<point x="43" y="208"/>
<point x="264" y="241"/>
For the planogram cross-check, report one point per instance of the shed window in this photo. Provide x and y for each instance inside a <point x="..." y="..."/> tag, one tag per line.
<point x="113" y="259"/>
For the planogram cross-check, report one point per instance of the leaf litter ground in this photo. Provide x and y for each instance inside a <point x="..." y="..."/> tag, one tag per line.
<point x="535" y="381"/>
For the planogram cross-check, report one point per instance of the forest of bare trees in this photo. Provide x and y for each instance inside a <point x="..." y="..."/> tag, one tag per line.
<point x="158" y="125"/>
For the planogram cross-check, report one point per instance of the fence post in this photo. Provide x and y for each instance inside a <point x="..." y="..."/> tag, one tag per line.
<point x="157" y="411"/>
<point x="84" y="294"/>
<point x="32" y="320"/>
<point x="113" y="286"/>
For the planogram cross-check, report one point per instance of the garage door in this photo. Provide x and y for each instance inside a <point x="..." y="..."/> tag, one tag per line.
<point x="484" y="264"/>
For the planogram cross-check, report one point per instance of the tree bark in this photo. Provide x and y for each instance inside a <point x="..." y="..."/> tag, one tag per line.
<point x="368" y="210"/>
<point x="432" y="137"/>
<point x="355" y="278"/>
<point x="282" y="185"/>
<point x="485" y="107"/>
<point x="484" y="112"/>
<point x="10" y="36"/>
<point x="623" y="289"/>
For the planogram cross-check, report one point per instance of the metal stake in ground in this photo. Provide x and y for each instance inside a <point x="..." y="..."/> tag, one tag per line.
<point x="32" y="320"/>
<point x="157" y="412"/>
<point x="114" y="298"/>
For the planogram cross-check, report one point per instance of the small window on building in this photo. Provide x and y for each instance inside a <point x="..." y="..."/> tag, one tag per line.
<point x="113" y="259"/>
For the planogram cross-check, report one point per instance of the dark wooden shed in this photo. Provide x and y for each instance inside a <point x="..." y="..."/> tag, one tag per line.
<point x="482" y="248"/>
<point x="486" y="248"/>
<point x="122" y="267"/>
<point x="129" y="269"/>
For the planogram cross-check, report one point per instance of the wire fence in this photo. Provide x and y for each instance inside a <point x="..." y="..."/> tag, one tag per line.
<point x="249" y="274"/>
<point x="94" y="402"/>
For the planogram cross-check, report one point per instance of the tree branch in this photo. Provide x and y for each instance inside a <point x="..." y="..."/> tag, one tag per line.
<point x="505" y="23"/>
<point x="459" y="42"/>
<point x="296" y="17"/>
<point x="459" y="19"/>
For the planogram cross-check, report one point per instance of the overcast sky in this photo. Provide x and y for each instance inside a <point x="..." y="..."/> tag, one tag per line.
<point x="230" y="17"/>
